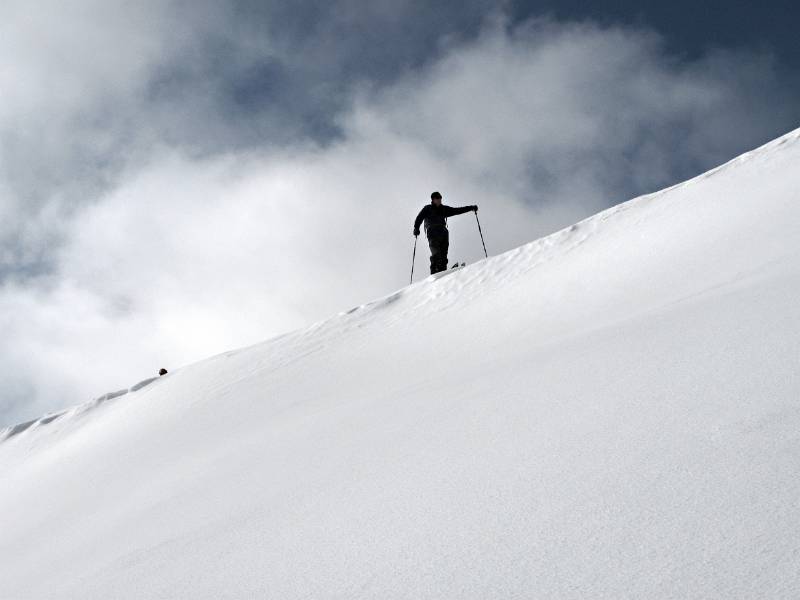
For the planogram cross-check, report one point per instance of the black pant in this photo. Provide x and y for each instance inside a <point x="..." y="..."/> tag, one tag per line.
<point x="439" y="242"/>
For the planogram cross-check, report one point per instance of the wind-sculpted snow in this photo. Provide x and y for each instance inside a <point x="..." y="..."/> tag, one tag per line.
<point x="608" y="412"/>
<point x="9" y="432"/>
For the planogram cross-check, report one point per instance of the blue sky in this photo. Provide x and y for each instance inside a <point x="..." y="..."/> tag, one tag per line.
<point x="179" y="178"/>
<point x="691" y="28"/>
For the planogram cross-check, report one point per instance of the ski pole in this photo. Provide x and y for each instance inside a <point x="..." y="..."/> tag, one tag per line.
<point x="481" y="232"/>
<point x="413" y="258"/>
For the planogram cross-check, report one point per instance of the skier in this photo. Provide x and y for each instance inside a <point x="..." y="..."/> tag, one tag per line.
<point x="435" y="216"/>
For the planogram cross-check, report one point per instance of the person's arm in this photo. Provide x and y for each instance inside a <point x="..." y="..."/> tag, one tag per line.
<point x="451" y="211"/>
<point x="419" y="219"/>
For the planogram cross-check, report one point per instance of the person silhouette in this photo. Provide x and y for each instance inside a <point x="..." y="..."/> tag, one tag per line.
<point x="435" y="217"/>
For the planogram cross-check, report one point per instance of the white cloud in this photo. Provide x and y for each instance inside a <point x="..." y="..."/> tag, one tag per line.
<point x="177" y="257"/>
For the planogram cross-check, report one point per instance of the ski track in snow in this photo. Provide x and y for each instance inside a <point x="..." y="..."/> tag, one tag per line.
<point x="607" y="412"/>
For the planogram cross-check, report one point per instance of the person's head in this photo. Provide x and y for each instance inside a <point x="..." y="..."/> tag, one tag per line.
<point x="162" y="372"/>
<point x="436" y="198"/>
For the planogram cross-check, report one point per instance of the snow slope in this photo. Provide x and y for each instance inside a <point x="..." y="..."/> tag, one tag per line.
<point x="609" y="412"/>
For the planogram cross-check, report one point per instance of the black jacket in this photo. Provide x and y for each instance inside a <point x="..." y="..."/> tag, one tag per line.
<point x="436" y="216"/>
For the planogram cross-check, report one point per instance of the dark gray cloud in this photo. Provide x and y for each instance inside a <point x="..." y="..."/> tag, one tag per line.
<point x="181" y="178"/>
<point x="690" y="28"/>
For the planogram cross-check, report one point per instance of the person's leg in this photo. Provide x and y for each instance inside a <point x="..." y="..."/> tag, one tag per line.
<point x="439" y="245"/>
<point x="445" y="246"/>
<point x="433" y="243"/>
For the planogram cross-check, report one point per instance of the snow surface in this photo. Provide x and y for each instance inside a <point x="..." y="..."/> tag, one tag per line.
<point x="612" y="411"/>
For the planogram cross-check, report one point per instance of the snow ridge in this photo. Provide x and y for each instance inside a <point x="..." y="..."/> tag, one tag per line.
<point x="523" y="259"/>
